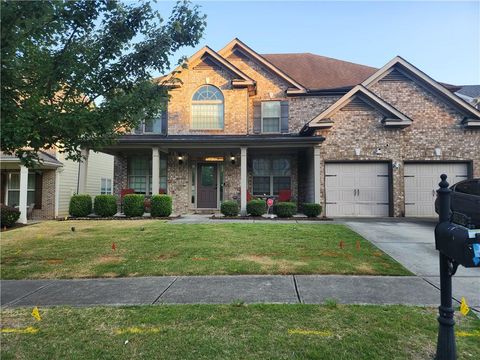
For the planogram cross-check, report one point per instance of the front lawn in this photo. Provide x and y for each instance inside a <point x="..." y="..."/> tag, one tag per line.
<point x="232" y="332"/>
<point x="148" y="247"/>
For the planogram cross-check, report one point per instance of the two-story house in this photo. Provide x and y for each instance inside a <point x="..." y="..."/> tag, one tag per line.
<point x="360" y="141"/>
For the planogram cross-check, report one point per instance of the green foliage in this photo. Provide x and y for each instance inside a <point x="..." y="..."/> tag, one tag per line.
<point x="72" y="71"/>
<point x="312" y="209"/>
<point x="105" y="205"/>
<point x="161" y="206"/>
<point x="9" y="216"/>
<point x="285" y="209"/>
<point x="229" y="208"/>
<point x="80" y="205"/>
<point x="133" y="205"/>
<point x="256" y="207"/>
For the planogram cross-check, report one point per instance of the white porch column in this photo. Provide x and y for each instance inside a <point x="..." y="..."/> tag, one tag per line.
<point x="316" y="173"/>
<point x="82" y="172"/>
<point x="243" y="180"/>
<point x="155" y="171"/>
<point x="22" y="206"/>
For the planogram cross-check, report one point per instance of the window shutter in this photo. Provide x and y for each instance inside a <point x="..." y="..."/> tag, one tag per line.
<point x="164" y="121"/>
<point x="38" y="190"/>
<point x="257" y="117"/>
<point x="284" y="116"/>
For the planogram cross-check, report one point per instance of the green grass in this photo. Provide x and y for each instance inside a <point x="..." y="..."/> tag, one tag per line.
<point x="51" y="250"/>
<point x="232" y="332"/>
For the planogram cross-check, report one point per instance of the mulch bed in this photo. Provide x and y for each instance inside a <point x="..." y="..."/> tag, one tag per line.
<point x="118" y="218"/>
<point x="269" y="219"/>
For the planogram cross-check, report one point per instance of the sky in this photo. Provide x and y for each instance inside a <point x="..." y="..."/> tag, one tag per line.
<point x="441" y="38"/>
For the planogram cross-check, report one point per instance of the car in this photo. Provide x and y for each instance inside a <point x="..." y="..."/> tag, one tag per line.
<point x="465" y="203"/>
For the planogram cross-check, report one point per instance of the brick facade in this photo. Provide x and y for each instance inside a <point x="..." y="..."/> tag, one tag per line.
<point x="48" y="197"/>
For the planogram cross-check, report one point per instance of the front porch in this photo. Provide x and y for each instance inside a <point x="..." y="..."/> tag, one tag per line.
<point x="199" y="177"/>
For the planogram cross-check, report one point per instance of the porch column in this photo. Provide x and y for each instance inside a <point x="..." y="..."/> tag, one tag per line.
<point x="243" y="180"/>
<point x="316" y="173"/>
<point x="155" y="171"/>
<point x="82" y="172"/>
<point x="22" y="206"/>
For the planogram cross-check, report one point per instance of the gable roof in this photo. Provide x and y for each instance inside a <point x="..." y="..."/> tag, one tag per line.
<point x="472" y="91"/>
<point x="317" y="72"/>
<point x="299" y="88"/>
<point x="472" y="115"/>
<point x="393" y="117"/>
<point x="45" y="159"/>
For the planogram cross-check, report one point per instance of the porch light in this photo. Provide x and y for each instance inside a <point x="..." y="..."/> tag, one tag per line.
<point x="232" y="159"/>
<point x="378" y="151"/>
<point x="358" y="151"/>
<point x="438" y="151"/>
<point x="180" y="159"/>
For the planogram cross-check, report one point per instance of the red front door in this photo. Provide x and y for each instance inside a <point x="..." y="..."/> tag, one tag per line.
<point x="207" y="186"/>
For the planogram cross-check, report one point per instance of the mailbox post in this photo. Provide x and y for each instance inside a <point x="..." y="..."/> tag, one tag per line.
<point x="457" y="246"/>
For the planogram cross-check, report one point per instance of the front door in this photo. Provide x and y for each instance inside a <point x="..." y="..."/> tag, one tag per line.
<point x="207" y="186"/>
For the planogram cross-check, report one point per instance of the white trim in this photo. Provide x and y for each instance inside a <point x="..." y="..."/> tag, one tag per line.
<point x="279" y="117"/>
<point x="243" y="180"/>
<point x="316" y="173"/>
<point x="155" y="171"/>
<point x="400" y="61"/>
<point x="22" y="206"/>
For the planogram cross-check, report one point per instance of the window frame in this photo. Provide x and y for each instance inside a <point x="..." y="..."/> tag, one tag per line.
<point x="106" y="192"/>
<point x="163" y="176"/>
<point x="194" y="103"/>
<point x="279" y="117"/>
<point x="29" y="190"/>
<point x="271" y="176"/>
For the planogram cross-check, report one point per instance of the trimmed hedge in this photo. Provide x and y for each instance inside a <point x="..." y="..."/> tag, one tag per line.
<point x="105" y="205"/>
<point x="80" y="205"/>
<point x="161" y="205"/>
<point x="286" y="209"/>
<point x="256" y="207"/>
<point x="312" y="209"/>
<point x="9" y="216"/>
<point x="133" y="205"/>
<point x="229" y="208"/>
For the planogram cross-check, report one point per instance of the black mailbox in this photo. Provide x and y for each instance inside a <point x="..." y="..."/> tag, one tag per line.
<point x="458" y="243"/>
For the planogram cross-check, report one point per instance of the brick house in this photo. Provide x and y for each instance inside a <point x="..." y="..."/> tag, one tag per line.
<point x="360" y="141"/>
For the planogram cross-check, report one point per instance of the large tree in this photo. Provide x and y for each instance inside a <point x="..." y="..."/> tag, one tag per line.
<point x="75" y="73"/>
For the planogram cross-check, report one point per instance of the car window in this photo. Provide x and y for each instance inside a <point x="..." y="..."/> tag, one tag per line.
<point x="469" y="187"/>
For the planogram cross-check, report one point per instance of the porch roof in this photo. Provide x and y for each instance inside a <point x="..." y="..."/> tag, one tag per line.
<point x="46" y="161"/>
<point x="214" y="141"/>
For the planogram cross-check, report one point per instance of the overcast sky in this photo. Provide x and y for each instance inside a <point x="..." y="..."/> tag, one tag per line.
<point x="441" y="38"/>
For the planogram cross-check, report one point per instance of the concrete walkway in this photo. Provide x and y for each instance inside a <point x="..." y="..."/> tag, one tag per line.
<point x="290" y="289"/>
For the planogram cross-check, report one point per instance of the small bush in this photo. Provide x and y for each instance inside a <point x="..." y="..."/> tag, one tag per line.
<point x="311" y="209"/>
<point x="133" y="205"/>
<point x="9" y="216"/>
<point x="105" y="205"/>
<point x="286" y="209"/>
<point x="161" y="205"/>
<point x="256" y="207"/>
<point x="80" y="205"/>
<point x="229" y="208"/>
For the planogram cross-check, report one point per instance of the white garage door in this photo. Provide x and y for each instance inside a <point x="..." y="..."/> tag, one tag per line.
<point x="421" y="183"/>
<point x="356" y="189"/>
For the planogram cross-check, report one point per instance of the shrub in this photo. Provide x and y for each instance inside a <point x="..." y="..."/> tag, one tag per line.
<point x="161" y="205"/>
<point x="133" y="205"/>
<point x="229" y="208"/>
<point x="256" y="207"/>
<point x="286" y="209"/>
<point x="311" y="209"/>
<point x="9" y="216"/>
<point x="105" y="205"/>
<point x="80" y="205"/>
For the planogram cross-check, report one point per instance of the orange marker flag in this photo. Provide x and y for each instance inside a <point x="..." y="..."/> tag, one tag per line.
<point x="113" y="246"/>
<point x="342" y="245"/>
<point x="358" y="244"/>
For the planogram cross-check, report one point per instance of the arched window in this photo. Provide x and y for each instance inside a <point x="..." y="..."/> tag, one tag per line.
<point x="207" y="108"/>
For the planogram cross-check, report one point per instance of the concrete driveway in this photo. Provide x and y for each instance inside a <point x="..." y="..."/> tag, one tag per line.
<point x="412" y="243"/>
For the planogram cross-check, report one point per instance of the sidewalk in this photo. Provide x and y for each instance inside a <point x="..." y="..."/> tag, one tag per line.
<point x="289" y="289"/>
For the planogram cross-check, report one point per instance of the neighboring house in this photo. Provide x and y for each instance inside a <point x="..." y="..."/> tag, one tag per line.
<point x="471" y="94"/>
<point x="49" y="186"/>
<point x="358" y="140"/>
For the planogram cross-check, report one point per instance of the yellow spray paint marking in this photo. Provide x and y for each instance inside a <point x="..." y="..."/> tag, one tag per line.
<point x="36" y="314"/>
<point x="464" y="309"/>
<point x="27" y="330"/>
<point x="137" y="330"/>
<point x="474" y="333"/>
<point x="309" y="332"/>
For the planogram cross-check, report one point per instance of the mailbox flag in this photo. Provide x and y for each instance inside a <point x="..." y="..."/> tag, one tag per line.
<point x="464" y="309"/>
<point x="36" y="314"/>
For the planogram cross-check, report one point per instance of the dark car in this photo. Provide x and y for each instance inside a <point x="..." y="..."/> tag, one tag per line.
<point x="465" y="203"/>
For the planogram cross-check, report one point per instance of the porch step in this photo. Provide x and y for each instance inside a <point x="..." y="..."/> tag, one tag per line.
<point x="206" y="212"/>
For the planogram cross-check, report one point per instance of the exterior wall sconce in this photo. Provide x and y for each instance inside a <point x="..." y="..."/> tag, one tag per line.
<point x="358" y="151"/>
<point x="232" y="159"/>
<point x="180" y="159"/>
<point x="396" y="165"/>
<point x="378" y="151"/>
<point x="438" y="151"/>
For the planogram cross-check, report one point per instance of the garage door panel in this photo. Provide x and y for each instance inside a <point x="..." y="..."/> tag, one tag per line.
<point x="421" y="183"/>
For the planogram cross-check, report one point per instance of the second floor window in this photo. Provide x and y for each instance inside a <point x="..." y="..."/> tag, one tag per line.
<point x="153" y="126"/>
<point x="207" y="109"/>
<point x="271" y="116"/>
